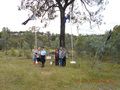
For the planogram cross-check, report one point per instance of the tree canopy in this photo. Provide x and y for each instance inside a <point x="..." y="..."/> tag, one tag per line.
<point x="46" y="10"/>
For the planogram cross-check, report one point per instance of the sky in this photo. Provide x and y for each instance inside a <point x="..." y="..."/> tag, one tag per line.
<point x="12" y="18"/>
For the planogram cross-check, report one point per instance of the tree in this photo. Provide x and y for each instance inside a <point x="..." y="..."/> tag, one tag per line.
<point x="48" y="34"/>
<point x="96" y="44"/>
<point x="55" y="44"/>
<point x="29" y="38"/>
<point x="26" y="49"/>
<point x="79" y="45"/>
<point x="41" y="7"/>
<point x="5" y="39"/>
<point x="20" y="40"/>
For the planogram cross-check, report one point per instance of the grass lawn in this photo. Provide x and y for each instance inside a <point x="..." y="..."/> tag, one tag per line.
<point x="19" y="74"/>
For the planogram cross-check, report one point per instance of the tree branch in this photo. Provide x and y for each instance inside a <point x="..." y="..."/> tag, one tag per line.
<point x="87" y="11"/>
<point x="54" y="5"/>
<point x="59" y="4"/>
<point x="67" y="4"/>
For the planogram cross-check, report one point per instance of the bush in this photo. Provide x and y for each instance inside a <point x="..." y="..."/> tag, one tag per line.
<point x="27" y="53"/>
<point x="20" y="53"/>
<point x="13" y="53"/>
<point x="26" y="49"/>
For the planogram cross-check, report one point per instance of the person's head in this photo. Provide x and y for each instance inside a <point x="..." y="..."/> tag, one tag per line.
<point x="61" y="48"/>
<point x="38" y="48"/>
<point x="34" y="47"/>
<point x="57" y="50"/>
<point x="42" y="48"/>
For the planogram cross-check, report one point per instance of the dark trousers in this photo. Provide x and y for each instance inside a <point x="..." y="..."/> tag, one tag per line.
<point x="56" y="60"/>
<point x="64" y="61"/>
<point x="43" y="60"/>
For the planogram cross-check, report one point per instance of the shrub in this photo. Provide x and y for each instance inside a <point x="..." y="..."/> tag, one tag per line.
<point x="13" y="53"/>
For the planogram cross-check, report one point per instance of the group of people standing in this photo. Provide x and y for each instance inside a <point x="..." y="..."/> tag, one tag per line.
<point x="60" y="56"/>
<point x="40" y="56"/>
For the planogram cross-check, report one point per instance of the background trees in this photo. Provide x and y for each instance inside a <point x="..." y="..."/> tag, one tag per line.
<point x="90" y="45"/>
<point x="46" y="10"/>
<point x="5" y="39"/>
<point x="29" y="37"/>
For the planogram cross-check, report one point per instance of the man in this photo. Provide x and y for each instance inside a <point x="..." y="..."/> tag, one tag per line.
<point x="64" y="57"/>
<point x="43" y="56"/>
<point x="60" y="56"/>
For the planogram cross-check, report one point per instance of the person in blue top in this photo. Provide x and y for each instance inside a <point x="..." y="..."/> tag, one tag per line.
<point x="60" y="56"/>
<point x="43" y="56"/>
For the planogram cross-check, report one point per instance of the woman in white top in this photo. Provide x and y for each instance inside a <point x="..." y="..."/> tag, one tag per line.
<point x="34" y="56"/>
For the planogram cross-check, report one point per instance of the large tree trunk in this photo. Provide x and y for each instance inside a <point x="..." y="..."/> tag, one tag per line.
<point x="62" y="28"/>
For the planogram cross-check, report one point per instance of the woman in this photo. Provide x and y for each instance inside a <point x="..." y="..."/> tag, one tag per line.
<point x="34" y="56"/>
<point x="64" y="57"/>
<point x="43" y="56"/>
<point x="39" y="56"/>
<point x="57" y="57"/>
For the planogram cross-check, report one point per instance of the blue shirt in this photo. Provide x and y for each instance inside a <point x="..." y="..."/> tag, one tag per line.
<point x="60" y="54"/>
<point x="43" y="52"/>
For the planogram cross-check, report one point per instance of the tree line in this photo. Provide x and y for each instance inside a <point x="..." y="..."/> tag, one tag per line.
<point x="94" y="45"/>
<point x="84" y="45"/>
<point x="26" y="40"/>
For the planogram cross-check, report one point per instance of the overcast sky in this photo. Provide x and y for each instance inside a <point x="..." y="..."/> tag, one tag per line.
<point x="12" y="18"/>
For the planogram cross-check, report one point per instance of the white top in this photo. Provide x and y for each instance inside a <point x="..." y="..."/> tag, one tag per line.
<point x="43" y="52"/>
<point x="34" y="52"/>
<point x="39" y="54"/>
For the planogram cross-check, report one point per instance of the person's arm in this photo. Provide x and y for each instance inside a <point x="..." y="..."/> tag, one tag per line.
<point x="62" y="54"/>
<point x="54" y="56"/>
<point x="45" y="54"/>
<point x="65" y="53"/>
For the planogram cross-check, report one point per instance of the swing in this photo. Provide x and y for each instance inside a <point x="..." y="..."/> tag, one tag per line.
<point x="72" y="62"/>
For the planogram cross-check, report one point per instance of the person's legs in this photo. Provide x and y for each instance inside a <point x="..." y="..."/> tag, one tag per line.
<point x="57" y="61"/>
<point x="43" y="60"/>
<point x="42" y="64"/>
<point x="34" y="62"/>
<point x="60" y="61"/>
<point x="38" y="63"/>
<point x="64" y="61"/>
<point x="38" y="59"/>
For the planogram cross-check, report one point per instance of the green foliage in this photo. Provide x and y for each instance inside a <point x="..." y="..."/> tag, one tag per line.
<point x="39" y="43"/>
<point x="97" y="45"/>
<point x="5" y="39"/>
<point x="29" y="38"/>
<point x="13" y="53"/>
<point x="55" y="44"/>
<point x="79" y="44"/>
<point x="26" y="46"/>
<point x="26" y="49"/>
<point x="20" y="53"/>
